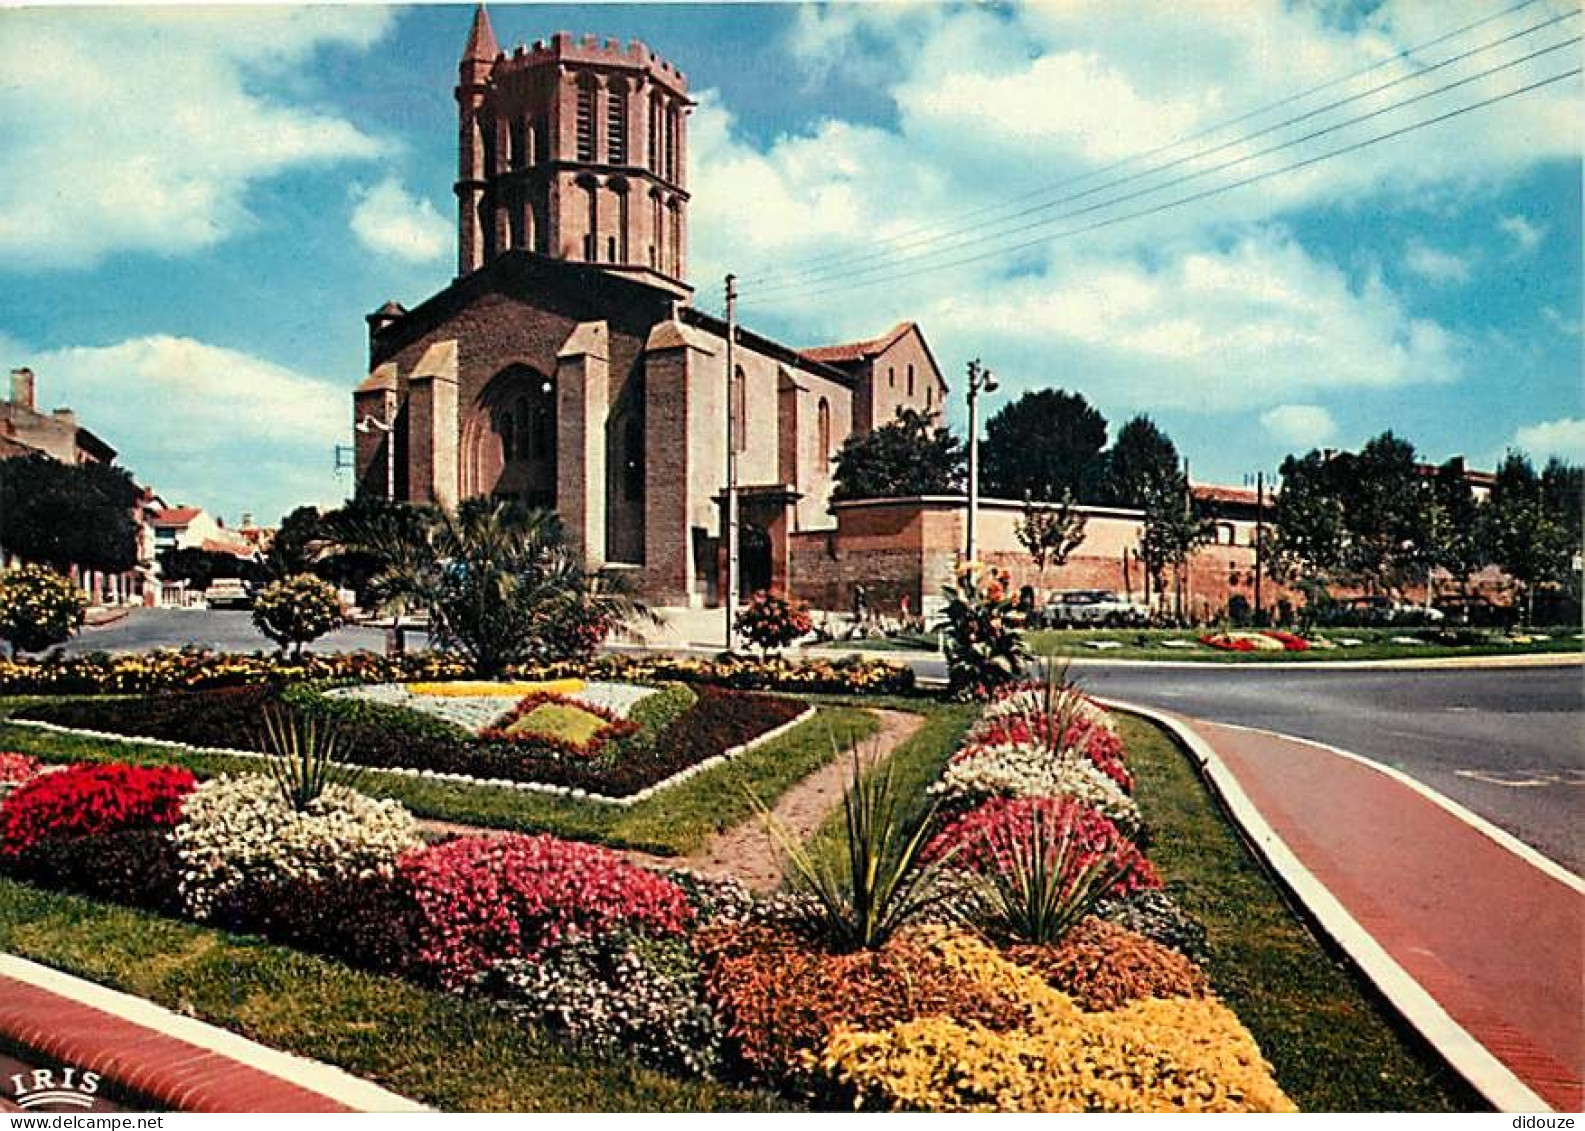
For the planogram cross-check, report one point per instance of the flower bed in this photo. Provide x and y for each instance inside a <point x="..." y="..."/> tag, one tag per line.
<point x="657" y="748"/>
<point x="1266" y="640"/>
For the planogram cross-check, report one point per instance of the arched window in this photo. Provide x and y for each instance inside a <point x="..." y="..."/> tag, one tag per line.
<point x="671" y="144"/>
<point x="586" y="124"/>
<point x="823" y="430"/>
<point x="654" y="132"/>
<point x="674" y="237"/>
<point x="657" y="235"/>
<point x="740" y="410"/>
<point x="618" y="249"/>
<point x="591" y="233"/>
<point x="616" y="123"/>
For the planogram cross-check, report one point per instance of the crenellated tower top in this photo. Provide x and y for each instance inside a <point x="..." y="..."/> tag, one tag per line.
<point x="574" y="148"/>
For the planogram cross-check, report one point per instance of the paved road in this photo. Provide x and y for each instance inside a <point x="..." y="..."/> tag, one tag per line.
<point x="1507" y="743"/>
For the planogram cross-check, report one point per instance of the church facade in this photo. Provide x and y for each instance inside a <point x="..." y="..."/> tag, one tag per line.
<point x="566" y="366"/>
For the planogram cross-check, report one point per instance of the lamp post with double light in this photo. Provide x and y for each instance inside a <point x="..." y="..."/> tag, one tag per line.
<point x="980" y="380"/>
<point x="369" y="425"/>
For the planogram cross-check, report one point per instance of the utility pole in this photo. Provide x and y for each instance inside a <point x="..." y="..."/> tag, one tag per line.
<point x="979" y="379"/>
<point x="731" y="462"/>
<point x="1260" y="538"/>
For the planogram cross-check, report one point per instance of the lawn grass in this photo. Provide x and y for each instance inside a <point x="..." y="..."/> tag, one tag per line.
<point x="1146" y="644"/>
<point x="1333" y="1045"/>
<point x="449" y="1052"/>
<point x="673" y="822"/>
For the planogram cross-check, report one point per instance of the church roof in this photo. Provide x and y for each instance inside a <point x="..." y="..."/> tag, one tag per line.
<point x="481" y="39"/>
<point x="859" y="351"/>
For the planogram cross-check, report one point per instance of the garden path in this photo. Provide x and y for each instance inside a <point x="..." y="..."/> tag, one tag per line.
<point x="746" y="851"/>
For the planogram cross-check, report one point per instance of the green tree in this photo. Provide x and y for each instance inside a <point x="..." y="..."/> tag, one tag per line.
<point x="1456" y="525"/>
<point x="498" y="581"/>
<point x="1531" y="536"/>
<point x="1306" y="538"/>
<point x="38" y="608"/>
<point x="1042" y="444"/>
<point x="1385" y="511"/>
<point x="1175" y="526"/>
<point x="297" y="610"/>
<point x="199" y="567"/>
<point x="65" y="515"/>
<point x="1140" y="462"/>
<point x="912" y="455"/>
<point x="1050" y="531"/>
<point x="293" y="550"/>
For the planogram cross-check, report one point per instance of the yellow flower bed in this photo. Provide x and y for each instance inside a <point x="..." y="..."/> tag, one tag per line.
<point x="473" y="688"/>
<point x="1177" y="1054"/>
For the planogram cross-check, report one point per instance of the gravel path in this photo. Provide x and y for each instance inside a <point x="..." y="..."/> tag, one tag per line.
<point x="746" y="852"/>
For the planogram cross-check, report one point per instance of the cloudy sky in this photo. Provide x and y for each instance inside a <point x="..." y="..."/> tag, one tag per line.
<point x="197" y="208"/>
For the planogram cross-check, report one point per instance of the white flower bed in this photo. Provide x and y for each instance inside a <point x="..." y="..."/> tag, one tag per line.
<point x="1031" y="770"/>
<point x="239" y="835"/>
<point x="1031" y="702"/>
<point x="476" y="712"/>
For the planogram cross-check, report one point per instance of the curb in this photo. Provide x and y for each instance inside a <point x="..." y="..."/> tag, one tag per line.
<point x="1422" y="1012"/>
<point x="188" y="1064"/>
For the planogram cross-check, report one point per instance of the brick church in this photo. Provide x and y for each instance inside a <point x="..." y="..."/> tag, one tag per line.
<point x="566" y="366"/>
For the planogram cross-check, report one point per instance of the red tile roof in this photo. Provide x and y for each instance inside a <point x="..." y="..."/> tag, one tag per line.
<point x="1244" y="495"/>
<point x="177" y="516"/>
<point x="236" y="549"/>
<point x="858" y="351"/>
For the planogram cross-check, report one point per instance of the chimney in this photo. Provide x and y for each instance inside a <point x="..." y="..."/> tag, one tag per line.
<point x="22" y="389"/>
<point x="66" y="416"/>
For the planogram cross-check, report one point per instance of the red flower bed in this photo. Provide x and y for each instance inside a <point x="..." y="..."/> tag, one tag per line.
<point x="1289" y="642"/>
<point x="1097" y="743"/>
<point x="1227" y="643"/>
<point x="616" y="726"/>
<point x="483" y="899"/>
<point x="89" y="800"/>
<point x="982" y="835"/>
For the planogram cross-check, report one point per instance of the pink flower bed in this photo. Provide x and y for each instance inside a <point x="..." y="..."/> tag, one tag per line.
<point x="982" y="836"/>
<point x="16" y="767"/>
<point x="484" y="899"/>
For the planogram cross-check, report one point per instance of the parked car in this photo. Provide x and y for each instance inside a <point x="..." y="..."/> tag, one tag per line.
<point x="1094" y="608"/>
<point x="1475" y="612"/>
<point x="1384" y="611"/>
<point x="228" y="593"/>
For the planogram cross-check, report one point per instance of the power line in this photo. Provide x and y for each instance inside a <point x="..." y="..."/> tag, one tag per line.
<point x="852" y="259"/>
<point x="907" y="235"/>
<point x="1198" y="174"/>
<point x="1217" y="190"/>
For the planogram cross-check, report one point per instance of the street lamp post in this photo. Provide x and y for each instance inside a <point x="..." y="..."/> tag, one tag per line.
<point x="370" y="424"/>
<point x="980" y="380"/>
<point x="732" y="426"/>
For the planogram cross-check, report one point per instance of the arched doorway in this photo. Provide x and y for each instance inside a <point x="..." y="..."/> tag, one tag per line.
<point x="509" y="439"/>
<point x="753" y="557"/>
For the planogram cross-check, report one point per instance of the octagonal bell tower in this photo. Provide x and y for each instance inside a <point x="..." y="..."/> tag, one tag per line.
<point x="574" y="149"/>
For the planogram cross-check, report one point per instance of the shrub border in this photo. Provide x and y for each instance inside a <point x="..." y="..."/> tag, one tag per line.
<point x="574" y="793"/>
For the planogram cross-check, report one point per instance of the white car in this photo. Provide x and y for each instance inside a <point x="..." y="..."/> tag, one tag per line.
<point x="1095" y="607"/>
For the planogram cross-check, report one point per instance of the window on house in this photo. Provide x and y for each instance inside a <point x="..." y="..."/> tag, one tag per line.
<point x="671" y="145"/>
<point x="654" y="133"/>
<point x="633" y="458"/>
<point x="930" y="397"/>
<point x="823" y="430"/>
<point x="910" y="380"/>
<point x="616" y="125"/>
<point x="657" y="233"/>
<point x="674" y="235"/>
<point x="586" y="138"/>
<point x="891" y="377"/>
<point x="591" y="237"/>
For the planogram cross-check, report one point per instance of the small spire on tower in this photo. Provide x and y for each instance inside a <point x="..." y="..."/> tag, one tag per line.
<point x="481" y="39"/>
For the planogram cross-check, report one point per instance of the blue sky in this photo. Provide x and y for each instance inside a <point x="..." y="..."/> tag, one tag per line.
<point x="197" y="208"/>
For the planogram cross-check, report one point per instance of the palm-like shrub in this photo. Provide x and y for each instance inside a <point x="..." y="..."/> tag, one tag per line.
<point x="499" y="582"/>
<point x="304" y="757"/>
<point x="880" y="883"/>
<point x="38" y="608"/>
<point x="296" y="610"/>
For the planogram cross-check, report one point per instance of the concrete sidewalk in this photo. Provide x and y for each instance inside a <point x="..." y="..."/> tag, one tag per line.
<point x="1477" y="939"/>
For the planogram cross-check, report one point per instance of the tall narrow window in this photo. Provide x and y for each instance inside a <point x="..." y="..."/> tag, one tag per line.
<point x="674" y="238"/>
<point x="514" y="218"/>
<point x="633" y="458"/>
<point x="930" y="397"/>
<point x="586" y="123"/>
<point x="823" y="430"/>
<point x="671" y="145"/>
<point x="541" y="222"/>
<point x="657" y="234"/>
<point x="619" y="248"/>
<point x="740" y="410"/>
<point x="616" y="124"/>
<point x="891" y="377"/>
<point x="487" y="142"/>
<point x="910" y="380"/>
<point x="519" y="143"/>
<point x="654" y="133"/>
<point x="591" y="234"/>
<point x="540" y="150"/>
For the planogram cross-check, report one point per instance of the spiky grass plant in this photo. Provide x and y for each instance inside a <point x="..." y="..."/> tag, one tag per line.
<point x="881" y="882"/>
<point x="1040" y="884"/>
<point x="303" y="757"/>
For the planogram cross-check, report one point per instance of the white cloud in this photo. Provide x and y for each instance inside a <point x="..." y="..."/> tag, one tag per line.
<point x="1564" y="438"/>
<point x="143" y="129"/>
<point x="204" y="424"/>
<point x="1563" y="325"/>
<point x="389" y="220"/>
<point x="1299" y="426"/>
<point x="1526" y="236"/>
<point x="1435" y="265"/>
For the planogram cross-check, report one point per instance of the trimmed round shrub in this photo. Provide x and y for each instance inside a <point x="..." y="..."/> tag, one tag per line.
<point x="240" y="840"/>
<point x="91" y="800"/>
<point x="614" y="993"/>
<point x="38" y="608"/>
<point x="484" y="900"/>
<point x="980" y="838"/>
<point x="770" y="622"/>
<point x="1102" y="966"/>
<point x="297" y="609"/>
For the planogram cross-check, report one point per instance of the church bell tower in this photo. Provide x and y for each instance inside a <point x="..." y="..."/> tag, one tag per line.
<point x="573" y="149"/>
